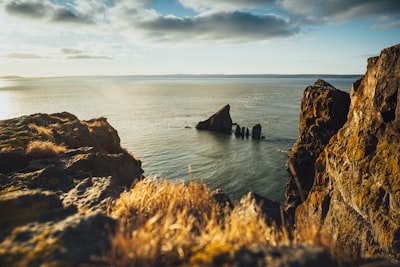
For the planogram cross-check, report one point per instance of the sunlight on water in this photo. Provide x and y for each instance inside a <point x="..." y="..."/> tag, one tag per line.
<point x="7" y="104"/>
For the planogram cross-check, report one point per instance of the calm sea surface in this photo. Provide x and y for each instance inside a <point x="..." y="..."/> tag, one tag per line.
<point x="156" y="117"/>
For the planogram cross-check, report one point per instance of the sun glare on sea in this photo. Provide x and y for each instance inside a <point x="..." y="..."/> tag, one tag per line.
<point x="6" y="104"/>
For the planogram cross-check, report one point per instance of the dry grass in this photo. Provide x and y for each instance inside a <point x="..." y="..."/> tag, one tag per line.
<point x="42" y="131"/>
<point x="44" y="149"/>
<point x="164" y="223"/>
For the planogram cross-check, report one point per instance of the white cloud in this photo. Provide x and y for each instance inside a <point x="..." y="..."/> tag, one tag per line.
<point x="44" y="10"/>
<point x="148" y="26"/>
<point x="322" y="11"/>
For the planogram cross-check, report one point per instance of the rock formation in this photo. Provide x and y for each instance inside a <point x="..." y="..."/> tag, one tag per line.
<point x="238" y="131"/>
<point x="256" y="132"/>
<point x="354" y="204"/>
<point x="57" y="175"/>
<point x="219" y="122"/>
<point x="323" y="112"/>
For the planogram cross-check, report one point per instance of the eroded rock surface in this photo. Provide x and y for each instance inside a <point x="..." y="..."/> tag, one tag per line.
<point x="323" y="112"/>
<point x="57" y="175"/>
<point x="354" y="204"/>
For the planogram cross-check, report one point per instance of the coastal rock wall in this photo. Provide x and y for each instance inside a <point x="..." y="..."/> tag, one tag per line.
<point x="323" y="112"/>
<point x="354" y="204"/>
<point x="57" y="175"/>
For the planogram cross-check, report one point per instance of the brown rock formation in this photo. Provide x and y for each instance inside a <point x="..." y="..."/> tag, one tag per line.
<point x="219" y="122"/>
<point x="324" y="110"/>
<point x="57" y="174"/>
<point x="354" y="204"/>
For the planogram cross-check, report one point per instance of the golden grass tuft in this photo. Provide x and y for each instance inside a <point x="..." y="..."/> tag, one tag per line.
<point x="42" y="131"/>
<point x="44" y="149"/>
<point x="164" y="223"/>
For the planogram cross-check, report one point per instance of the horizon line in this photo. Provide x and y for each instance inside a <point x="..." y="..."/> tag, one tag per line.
<point x="189" y="75"/>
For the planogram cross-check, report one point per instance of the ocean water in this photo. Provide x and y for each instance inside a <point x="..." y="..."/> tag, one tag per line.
<point x="156" y="116"/>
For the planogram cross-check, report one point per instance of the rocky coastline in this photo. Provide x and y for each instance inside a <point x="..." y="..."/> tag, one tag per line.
<point x="59" y="176"/>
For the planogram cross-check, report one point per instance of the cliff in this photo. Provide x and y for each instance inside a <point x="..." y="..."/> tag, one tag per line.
<point x="57" y="175"/>
<point x="353" y="206"/>
<point x="323" y="112"/>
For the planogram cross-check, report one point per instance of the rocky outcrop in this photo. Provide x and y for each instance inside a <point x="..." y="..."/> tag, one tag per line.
<point x="323" y="112"/>
<point x="219" y="122"/>
<point x="354" y="204"/>
<point x="57" y="175"/>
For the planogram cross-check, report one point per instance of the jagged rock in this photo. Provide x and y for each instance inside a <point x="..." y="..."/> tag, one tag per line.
<point x="323" y="112"/>
<point x="354" y="204"/>
<point x="219" y="122"/>
<point x="256" y="132"/>
<point x="53" y="205"/>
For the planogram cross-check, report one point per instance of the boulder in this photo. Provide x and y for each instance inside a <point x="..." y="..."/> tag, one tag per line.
<point x="219" y="122"/>
<point x="53" y="203"/>
<point x="354" y="205"/>
<point x="323" y="112"/>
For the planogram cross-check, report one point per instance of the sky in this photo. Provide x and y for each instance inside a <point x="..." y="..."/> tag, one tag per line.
<point x="129" y="37"/>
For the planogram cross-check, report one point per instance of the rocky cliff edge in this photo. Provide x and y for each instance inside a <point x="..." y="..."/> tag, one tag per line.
<point x="57" y="175"/>
<point x="353" y="206"/>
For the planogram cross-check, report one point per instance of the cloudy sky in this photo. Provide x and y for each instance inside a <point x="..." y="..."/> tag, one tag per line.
<point x="124" y="37"/>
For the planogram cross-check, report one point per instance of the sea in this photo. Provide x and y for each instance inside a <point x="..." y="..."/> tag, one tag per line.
<point x="155" y="117"/>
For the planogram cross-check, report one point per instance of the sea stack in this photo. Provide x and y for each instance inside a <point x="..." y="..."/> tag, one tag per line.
<point x="256" y="132"/>
<point x="218" y="122"/>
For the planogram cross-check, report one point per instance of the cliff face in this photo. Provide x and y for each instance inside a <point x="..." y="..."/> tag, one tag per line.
<point x="323" y="112"/>
<point x="57" y="175"/>
<point x="354" y="204"/>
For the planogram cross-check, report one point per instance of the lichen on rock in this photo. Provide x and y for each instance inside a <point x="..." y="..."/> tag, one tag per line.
<point x="323" y="112"/>
<point x="57" y="175"/>
<point x="354" y="202"/>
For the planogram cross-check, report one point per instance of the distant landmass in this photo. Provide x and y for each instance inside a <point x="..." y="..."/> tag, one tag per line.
<point x="183" y="76"/>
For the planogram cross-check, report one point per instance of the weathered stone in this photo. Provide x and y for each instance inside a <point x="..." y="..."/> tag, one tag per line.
<point x="323" y="112"/>
<point x="91" y="194"/>
<point x="76" y="240"/>
<point x="353" y="206"/>
<point x="219" y="122"/>
<point x="25" y="206"/>
<point x="53" y="208"/>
